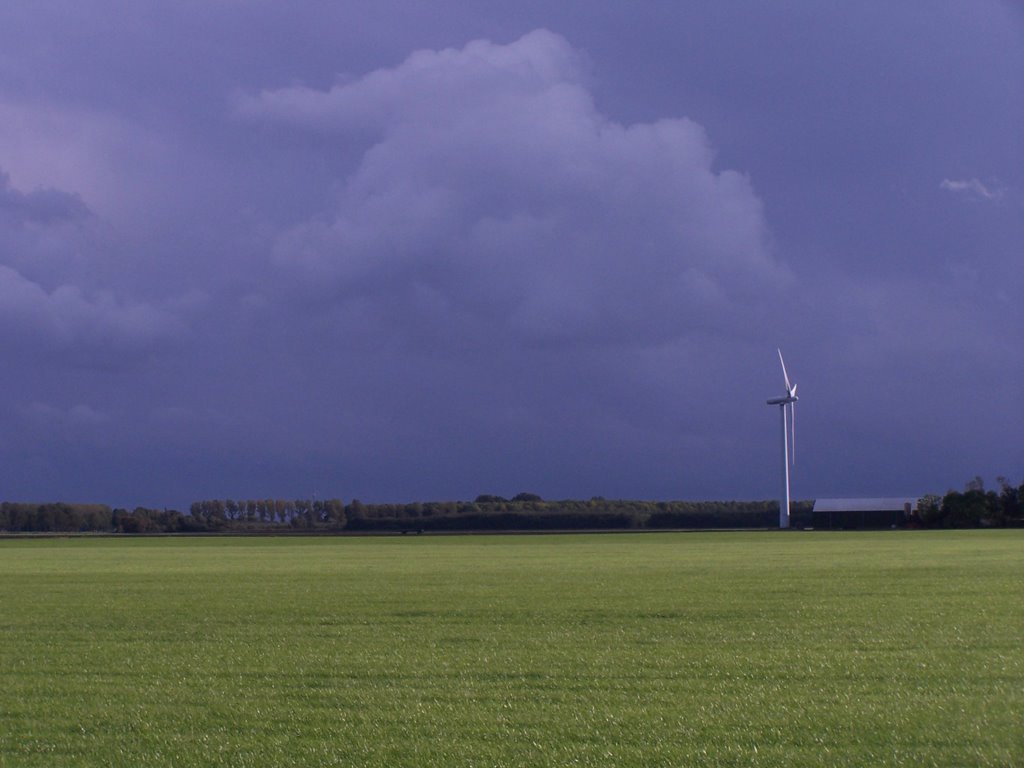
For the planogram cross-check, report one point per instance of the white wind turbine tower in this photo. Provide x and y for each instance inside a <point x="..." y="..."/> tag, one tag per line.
<point x="788" y="450"/>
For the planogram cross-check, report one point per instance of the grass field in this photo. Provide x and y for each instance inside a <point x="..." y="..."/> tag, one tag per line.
<point x="731" y="649"/>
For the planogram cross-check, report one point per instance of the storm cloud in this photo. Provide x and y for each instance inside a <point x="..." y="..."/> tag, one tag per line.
<point x="48" y="232"/>
<point x="533" y="248"/>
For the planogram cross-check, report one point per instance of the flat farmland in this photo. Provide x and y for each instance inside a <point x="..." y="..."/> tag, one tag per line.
<point x="703" y="649"/>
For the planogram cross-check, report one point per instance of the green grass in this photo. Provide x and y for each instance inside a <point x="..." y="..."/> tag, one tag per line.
<point x="738" y="649"/>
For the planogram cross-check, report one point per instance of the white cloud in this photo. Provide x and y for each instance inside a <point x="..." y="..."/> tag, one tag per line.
<point x="114" y="165"/>
<point x="973" y="187"/>
<point x="492" y="184"/>
<point x="428" y="82"/>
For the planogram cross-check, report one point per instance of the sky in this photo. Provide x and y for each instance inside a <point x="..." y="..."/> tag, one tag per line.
<point x="395" y="251"/>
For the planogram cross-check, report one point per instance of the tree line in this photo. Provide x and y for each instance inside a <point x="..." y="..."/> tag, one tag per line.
<point x="214" y="516"/>
<point x="973" y="507"/>
<point x="219" y="514"/>
<point x="529" y="512"/>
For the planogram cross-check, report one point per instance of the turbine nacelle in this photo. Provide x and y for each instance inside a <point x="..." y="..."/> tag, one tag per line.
<point x="790" y="396"/>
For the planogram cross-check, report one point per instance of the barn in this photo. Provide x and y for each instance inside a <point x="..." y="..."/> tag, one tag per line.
<point x="863" y="513"/>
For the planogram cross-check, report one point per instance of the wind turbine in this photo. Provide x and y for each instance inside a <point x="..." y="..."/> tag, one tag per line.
<point x="788" y="452"/>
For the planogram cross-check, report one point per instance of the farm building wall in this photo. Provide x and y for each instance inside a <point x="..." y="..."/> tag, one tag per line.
<point x="862" y="513"/>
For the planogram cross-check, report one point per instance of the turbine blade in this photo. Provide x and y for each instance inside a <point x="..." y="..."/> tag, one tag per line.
<point x="789" y="389"/>
<point x="792" y="427"/>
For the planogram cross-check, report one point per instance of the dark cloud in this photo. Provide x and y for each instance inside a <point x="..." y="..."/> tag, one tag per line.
<point x="69" y="318"/>
<point x="397" y="252"/>
<point x="39" y="207"/>
<point x="45" y="232"/>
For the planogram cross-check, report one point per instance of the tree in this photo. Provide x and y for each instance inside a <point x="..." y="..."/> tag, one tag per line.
<point x="929" y="510"/>
<point x="964" y="510"/>
<point x="526" y="497"/>
<point x="487" y="498"/>
<point x="1011" y="499"/>
<point x="335" y="514"/>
